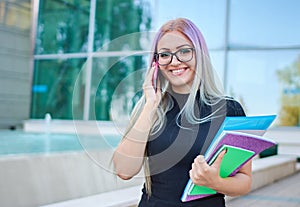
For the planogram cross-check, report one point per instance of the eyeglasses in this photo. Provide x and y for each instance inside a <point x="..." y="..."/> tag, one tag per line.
<point x="183" y="55"/>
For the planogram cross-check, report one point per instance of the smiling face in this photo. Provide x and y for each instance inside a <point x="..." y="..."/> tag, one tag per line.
<point x="179" y="74"/>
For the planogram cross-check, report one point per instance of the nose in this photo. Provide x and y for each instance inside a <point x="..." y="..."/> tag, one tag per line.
<point x="175" y="60"/>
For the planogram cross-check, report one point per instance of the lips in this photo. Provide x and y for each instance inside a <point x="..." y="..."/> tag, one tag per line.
<point x="178" y="72"/>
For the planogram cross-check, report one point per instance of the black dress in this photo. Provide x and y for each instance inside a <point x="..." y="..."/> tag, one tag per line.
<point x="172" y="152"/>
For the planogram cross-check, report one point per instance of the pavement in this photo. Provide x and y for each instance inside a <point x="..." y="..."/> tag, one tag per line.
<point x="283" y="193"/>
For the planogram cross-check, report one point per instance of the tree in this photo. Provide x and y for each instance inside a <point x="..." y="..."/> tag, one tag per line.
<point x="289" y="77"/>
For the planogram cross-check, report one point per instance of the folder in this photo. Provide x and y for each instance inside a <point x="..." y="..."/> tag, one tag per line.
<point x="241" y="136"/>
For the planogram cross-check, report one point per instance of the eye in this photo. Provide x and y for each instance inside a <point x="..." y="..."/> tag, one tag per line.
<point x="164" y="55"/>
<point x="185" y="51"/>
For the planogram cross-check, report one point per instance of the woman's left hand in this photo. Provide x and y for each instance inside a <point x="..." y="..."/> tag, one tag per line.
<point x="206" y="175"/>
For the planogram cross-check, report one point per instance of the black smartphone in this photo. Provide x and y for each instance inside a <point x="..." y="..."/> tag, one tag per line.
<point x="155" y="76"/>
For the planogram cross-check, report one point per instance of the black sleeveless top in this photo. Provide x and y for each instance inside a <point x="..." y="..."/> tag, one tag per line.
<point x="172" y="151"/>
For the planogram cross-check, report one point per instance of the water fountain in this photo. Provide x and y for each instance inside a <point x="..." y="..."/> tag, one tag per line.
<point x="47" y="122"/>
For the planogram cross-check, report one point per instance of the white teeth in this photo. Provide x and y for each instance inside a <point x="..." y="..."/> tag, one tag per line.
<point x="177" y="71"/>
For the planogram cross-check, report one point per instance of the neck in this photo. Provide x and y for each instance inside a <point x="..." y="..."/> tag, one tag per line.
<point x="180" y="98"/>
<point x="181" y="90"/>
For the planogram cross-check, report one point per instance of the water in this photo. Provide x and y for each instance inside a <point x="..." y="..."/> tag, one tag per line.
<point x="19" y="142"/>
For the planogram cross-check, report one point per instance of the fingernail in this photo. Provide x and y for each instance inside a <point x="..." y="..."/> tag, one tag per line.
<point x="201" y="158"/>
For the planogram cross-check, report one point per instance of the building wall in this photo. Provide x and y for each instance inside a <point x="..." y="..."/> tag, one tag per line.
<point x="15" y="77"/>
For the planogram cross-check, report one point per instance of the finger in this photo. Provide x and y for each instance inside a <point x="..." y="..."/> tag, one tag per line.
<point x="191" y="173"/>
<point x="219" y="159"/>
<point x="201" y="164"/>
<point x="194" y="176"/>
<point x="148" y="79"/>
<point x="200" y="160"/>
<point x="152" y="69"/>
<point x="158" y="84"/>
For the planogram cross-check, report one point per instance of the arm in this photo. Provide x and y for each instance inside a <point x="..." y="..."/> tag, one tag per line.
<point x="205" y="175"/>
<point x="129" y="155"/>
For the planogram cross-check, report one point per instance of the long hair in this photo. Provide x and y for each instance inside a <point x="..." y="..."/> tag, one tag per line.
<point x="205" y="82"/>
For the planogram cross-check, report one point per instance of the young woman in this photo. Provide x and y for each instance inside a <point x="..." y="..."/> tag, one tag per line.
<point x="172" y="125"/>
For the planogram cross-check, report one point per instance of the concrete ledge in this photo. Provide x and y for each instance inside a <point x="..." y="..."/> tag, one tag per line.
<point x="265" y="171"/>
<point x="270" y="169"/>
<point x="287" y="139"/>
<point x="122" y="197"/>
<point x="73" y="126"/>
<point x="42" y="179"/>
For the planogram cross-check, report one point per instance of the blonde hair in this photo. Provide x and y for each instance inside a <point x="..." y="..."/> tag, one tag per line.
<point x="205" y="82"/>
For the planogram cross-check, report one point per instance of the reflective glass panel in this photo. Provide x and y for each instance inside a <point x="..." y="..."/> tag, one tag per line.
<point x="121" y="22"/>
<point x="255" y="80"/>
<point x="209" y="16"/>
<point x="62" y="26"/>
<point x="53" y="87"/>
<point x="264" y="23"/>
<point x="217" y="60"/>
<point x="116" y="86"/>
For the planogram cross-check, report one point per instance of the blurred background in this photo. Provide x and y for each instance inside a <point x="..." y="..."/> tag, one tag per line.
<point x="68" y="57"/>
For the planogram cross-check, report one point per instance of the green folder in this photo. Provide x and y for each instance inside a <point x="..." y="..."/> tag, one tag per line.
<point x="232" y="160"/>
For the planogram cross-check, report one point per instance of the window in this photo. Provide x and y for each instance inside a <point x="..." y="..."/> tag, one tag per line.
<point x="52" y="91"/>
<point x="62" y="27"/>
<point x="264" y="23"/>
<point x="209" y="16"/>
<point x="263" y="40"/>
<point x="116" y="86"/>
<point x="80" y="42"/>
<point x="254" y="80"/>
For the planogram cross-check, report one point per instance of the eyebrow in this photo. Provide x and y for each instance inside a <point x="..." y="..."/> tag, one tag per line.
<point x="176" y="47"/>
<point x="183" y="46"/>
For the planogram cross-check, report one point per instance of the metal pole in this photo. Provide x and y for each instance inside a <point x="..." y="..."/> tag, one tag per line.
<point x="88" y="75"/>
<point x="226" y="45"/>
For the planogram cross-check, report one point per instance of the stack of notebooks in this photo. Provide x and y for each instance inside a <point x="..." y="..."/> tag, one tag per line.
<point x="242" y="138"/>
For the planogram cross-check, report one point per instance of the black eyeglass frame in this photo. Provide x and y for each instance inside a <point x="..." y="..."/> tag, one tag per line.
<point x="156" y="55"/>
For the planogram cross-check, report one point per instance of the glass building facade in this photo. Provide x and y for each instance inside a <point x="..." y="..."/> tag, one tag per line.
<point x="90" y="55"/>
<point x="83" y="50"/>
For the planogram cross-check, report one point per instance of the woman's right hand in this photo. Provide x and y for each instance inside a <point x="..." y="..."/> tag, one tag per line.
<point x="129" y="155"/>
<point x="153" y="97"/>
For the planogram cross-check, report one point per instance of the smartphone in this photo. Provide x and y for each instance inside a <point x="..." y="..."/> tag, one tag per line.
<point x="155" y="76"/>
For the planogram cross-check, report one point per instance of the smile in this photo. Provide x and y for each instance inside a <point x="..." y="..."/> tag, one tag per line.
<point x="178" y="71"/>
